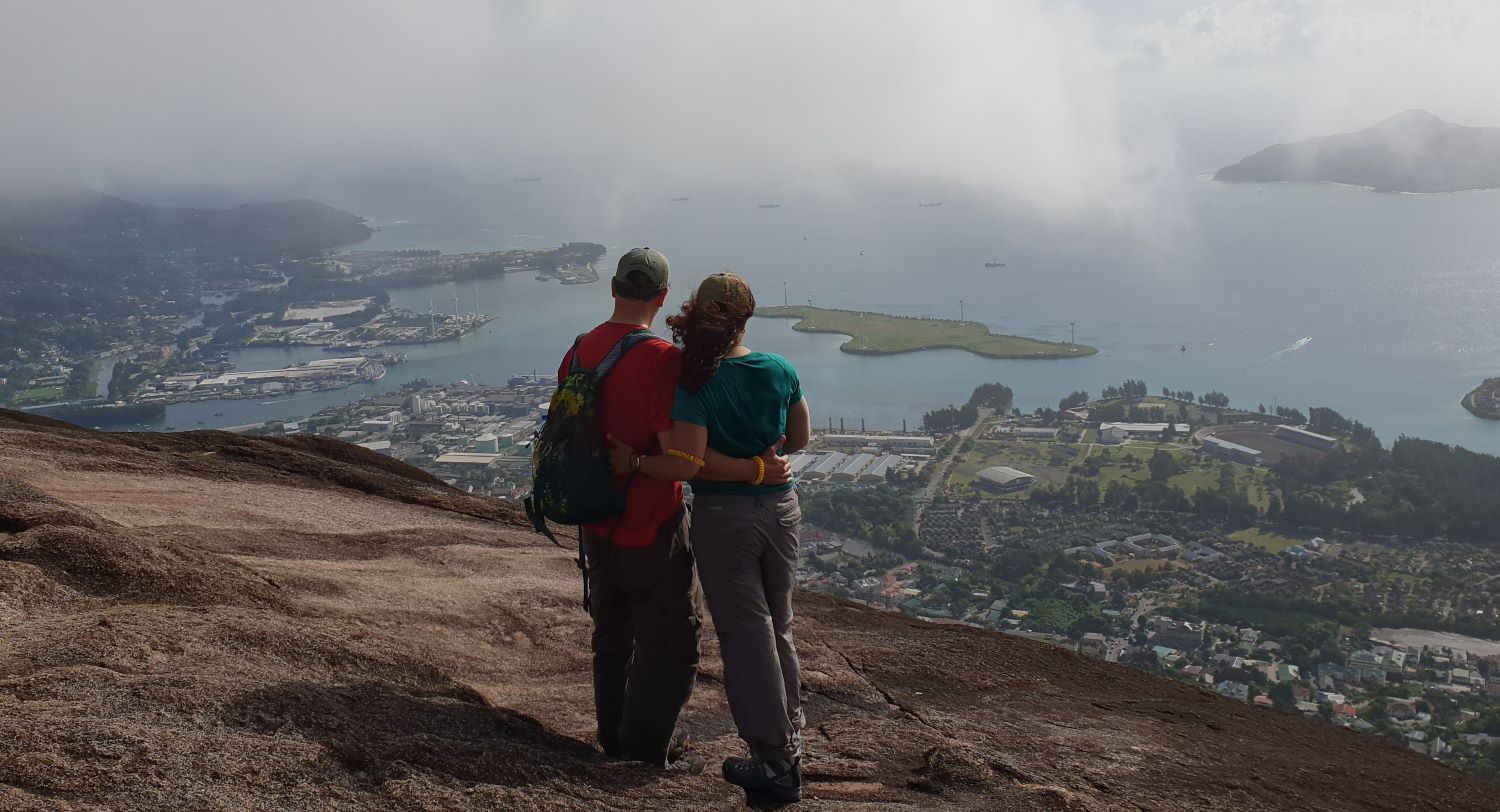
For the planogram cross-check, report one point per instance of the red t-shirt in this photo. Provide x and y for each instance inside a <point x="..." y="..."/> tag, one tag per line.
<point x="635" y="403"/>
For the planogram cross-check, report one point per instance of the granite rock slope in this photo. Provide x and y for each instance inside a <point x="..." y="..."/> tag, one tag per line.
<point x="205" y="621"/>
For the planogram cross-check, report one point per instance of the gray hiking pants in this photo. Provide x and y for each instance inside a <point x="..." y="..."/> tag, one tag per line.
<point x="746" y="547"/>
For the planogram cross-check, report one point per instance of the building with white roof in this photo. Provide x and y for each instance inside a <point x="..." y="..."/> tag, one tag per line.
<point x="1146" y="430"/>
<point x="1234" y="452"/>
<point x="880" y="441"/>
<point x="881" y="467"/>
<point x="827" y="465"/>
<point x="855" y="466"/>
<point x="1302" y="436"/>
<point x="1003" y="479"/>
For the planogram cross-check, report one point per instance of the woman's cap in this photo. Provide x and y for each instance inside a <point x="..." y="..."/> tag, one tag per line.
<point x="648" y="261"/>
<point x="727" y="288"/>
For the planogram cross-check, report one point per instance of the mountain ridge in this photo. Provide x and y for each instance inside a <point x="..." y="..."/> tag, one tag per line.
<point x="71" y="220"/>
<point x="297" y="623"/>
<point x="1412" y="151"/>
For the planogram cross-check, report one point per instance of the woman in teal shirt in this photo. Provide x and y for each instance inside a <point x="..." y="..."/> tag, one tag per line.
<point x="736" y="411"/>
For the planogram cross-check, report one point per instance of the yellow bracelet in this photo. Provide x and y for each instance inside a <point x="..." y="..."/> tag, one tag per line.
<point x="686" y="456"/>
<point x="760" y="471"/>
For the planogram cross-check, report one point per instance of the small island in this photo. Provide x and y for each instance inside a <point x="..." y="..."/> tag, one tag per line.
<point x="883" y="334"/>
<point x="1484" y="400"/>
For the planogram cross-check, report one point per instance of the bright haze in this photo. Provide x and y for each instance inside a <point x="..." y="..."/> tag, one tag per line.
<point x="1062" y="109"/>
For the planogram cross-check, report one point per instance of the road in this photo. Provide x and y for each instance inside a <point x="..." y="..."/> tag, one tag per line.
<point x="941" y="474"/>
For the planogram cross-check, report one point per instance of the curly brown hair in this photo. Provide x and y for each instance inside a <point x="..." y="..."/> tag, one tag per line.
<point x="709" y="325"/>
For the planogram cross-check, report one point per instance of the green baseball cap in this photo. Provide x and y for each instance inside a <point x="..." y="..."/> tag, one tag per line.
<point x="648" y="261"/>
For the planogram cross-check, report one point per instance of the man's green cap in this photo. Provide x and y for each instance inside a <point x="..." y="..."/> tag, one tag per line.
<point x="648" y="261"/>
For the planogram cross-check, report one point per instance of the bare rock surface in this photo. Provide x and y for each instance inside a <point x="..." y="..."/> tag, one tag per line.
<point x="203" y="621"/>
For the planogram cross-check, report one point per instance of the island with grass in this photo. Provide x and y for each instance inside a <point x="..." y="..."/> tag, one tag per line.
<point x="884" y="334"/>
<point x="1484" y="400"/>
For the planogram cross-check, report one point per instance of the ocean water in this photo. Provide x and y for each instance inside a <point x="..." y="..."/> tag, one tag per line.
<point x="1385" y="307"/>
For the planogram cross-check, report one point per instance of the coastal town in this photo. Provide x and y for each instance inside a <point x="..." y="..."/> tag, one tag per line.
<point x="335" y="301"/>
<point x="972" y="526"/>
<point x="571" y="264"/>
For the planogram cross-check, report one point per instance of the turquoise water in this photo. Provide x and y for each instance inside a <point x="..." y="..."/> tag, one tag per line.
<point x="1385" y="307"/>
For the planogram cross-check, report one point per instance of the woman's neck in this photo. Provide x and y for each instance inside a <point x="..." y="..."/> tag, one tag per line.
<point x="737" y="350"/>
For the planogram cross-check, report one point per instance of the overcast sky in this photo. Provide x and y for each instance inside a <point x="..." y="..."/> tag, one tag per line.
<point x="1063" y="108"/>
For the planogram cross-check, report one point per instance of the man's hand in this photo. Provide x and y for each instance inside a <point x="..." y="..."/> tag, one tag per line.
<point x="619" y="456"/>
<point x="778" y="467"/>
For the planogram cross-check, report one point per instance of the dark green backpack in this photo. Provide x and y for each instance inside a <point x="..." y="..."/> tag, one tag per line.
<point x="570" y="478"/>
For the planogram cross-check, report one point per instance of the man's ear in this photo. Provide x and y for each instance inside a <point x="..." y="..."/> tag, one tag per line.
<point x="661" y="298"/>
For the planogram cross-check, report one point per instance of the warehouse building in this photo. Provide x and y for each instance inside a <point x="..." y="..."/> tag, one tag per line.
<point x="1303" y="437"/>
<point x="882" y="466"/>
<point x="1147" y="431"/>
<point x="880" y="441"/>
<point x="801" y="460"/>
<point x="1234" y="452"/>
<point x="1002" y="479"/>
<point x="827" y="465"/>
<point x="1028" y="433"/>
<point x="855" y="466"/>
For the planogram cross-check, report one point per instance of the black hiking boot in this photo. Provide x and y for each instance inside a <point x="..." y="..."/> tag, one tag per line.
<point x="766" y="783"/>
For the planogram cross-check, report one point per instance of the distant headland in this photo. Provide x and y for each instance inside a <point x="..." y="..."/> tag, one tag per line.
<point x="1413" y="151"/>
<point x="1484" y="400"/>
<point x="883" y="334"/>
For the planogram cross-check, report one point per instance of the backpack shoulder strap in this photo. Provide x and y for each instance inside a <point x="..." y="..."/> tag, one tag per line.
<point x="573" y="363"/>
<point x="626" y="343"/>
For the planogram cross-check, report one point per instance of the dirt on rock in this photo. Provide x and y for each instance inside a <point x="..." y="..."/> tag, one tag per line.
<point x="205" y="621"/>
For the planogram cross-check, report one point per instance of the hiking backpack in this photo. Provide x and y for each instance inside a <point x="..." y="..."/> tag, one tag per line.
<point x="570" y="478"/>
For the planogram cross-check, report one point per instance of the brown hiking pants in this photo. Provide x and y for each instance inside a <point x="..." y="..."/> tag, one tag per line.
<point x="644" y="602"/>
<point x="746" y="546"/>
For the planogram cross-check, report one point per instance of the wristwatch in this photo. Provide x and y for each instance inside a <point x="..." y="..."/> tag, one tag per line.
<point x="635" y="463"/>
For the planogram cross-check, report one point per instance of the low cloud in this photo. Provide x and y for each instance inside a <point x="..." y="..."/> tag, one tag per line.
<point x="1237" y="76"/>
<point x="1012" y="101"/>
<point x="1057" y="109"/>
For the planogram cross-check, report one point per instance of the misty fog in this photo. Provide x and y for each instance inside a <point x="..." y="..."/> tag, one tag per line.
<point x="1065" y="110"/>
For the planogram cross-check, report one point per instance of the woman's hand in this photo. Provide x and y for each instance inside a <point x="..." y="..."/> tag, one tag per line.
<point x="619" y="456"/>
<point x="778" y="467"/>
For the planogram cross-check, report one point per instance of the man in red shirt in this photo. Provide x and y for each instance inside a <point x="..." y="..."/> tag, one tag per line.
<point x="643" y="589"/>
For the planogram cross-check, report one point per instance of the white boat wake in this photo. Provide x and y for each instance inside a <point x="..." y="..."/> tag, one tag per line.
<point x="1294" y="347"/>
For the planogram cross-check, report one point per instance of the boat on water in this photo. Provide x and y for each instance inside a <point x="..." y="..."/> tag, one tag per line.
<point x="679" y="200"/>
<point x="927" y="204"/>
<point x="994" y="265"/>
<point x="769" y="206"/>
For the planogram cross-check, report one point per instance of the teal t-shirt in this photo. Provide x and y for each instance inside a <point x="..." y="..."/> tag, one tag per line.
<point x="743" y="406"/>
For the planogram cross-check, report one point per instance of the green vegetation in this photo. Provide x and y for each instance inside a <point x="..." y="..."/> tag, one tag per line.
<point x="41" y="394"/>
<point x="1054" y="615"/>
<point x="1418" y="488"/>
<point x="882" y="515"/>
<point x="1267" y="540"/>
<point x="882" y="334"/>
<point x="985" y="396"/>
<point x="1484" y="400"/>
